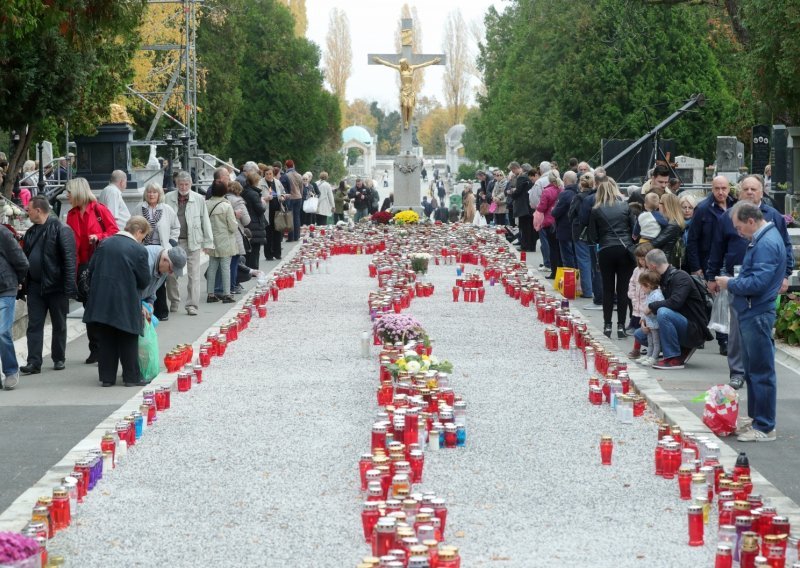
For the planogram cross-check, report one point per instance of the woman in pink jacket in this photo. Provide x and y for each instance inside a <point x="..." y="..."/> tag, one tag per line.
<point x="544" y="222"/>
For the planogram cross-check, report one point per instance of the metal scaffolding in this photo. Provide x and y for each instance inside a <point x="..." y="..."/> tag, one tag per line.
<point x="184" y="72"/>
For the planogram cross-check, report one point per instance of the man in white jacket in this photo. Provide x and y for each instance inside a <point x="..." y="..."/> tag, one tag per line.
<point x="111" y="197"/>
<point x="195" y="236"/>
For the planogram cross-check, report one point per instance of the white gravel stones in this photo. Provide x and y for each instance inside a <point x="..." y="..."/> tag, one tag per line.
<point x="258" y="465"/>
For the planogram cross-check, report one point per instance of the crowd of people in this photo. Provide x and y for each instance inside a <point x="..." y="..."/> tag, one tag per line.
<point x="655" y="259"/>
<point x="125" y="264"/>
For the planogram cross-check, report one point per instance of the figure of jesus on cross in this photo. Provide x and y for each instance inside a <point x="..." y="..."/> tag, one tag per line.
<point x="406" y="63"/>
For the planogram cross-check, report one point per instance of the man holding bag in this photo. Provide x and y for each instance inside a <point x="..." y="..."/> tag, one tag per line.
<point x="754" y="291"/>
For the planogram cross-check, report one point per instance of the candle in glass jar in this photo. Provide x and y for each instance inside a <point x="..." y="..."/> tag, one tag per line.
<point x="60" y="509"/>
<point x="695" y="525"/>
<point x="724" y="557"/>
<point x="606" y="449"/>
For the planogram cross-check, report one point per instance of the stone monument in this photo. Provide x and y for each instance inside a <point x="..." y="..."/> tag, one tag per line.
<point x="759" y="157"/>
<point x="407" y="166"/>
<point x="730" y="157"/>
<point x="106" y="151"/>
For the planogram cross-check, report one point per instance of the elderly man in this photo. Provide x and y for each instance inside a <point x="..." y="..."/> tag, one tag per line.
<point x="162" y="263"/>
<point x="111" y="197"/>
<point x="727" y="252"/>
<point x="50" y="248"/>
<point x="534" y="196"/>
<point x="224" y="175"/>
<point x="701" y="234"/>
<point x="195" y="236"/>
<point x="754" y="290"/>
<point x="681" y="315"/>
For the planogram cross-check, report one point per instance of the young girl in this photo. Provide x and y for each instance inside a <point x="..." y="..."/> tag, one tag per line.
<point x="637" y="295"/>
<point x="649" y="281"/>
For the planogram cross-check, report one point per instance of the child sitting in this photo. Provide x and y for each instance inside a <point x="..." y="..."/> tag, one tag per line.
<point x="637" y="296"/>
<point x="649" y="334"/>
<point x="648" y="224"/>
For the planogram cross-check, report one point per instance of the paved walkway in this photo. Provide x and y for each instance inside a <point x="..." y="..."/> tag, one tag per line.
<point x="779" y="461"/>
<point x="49" y="413"/>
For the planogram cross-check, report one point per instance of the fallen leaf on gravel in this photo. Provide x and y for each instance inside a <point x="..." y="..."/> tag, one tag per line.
<point x="460" y="534"/>
<point x="640" y="556"/>
<point x="501" y="558"/>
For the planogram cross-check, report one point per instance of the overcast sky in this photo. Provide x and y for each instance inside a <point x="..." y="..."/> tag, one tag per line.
<point x="372" y="28"/>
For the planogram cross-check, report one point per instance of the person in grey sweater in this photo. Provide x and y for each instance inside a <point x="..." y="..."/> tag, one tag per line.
<point x="13" y="269"/>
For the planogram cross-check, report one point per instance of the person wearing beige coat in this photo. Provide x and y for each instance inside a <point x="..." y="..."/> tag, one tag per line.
<point x="224" y="228"/>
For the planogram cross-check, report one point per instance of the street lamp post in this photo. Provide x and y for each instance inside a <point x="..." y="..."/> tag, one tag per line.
<point x="169" y="140"/>
<point x="40" y="184"/>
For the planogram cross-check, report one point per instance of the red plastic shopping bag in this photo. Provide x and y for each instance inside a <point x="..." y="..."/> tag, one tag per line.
<point x="722" y="410"/>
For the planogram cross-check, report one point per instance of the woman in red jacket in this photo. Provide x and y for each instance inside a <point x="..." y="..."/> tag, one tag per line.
<point x="544" y="222"/>
<point x="91" y="222"/>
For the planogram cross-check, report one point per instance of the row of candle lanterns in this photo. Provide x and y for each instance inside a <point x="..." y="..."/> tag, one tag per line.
<point x="418" y="413"/>
<point x="55" y="513"/>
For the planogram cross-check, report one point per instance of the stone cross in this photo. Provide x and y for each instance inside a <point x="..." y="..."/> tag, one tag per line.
<point x="406" y="62"/>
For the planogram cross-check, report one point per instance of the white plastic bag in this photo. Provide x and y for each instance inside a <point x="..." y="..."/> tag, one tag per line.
<point x="720" y="316"/>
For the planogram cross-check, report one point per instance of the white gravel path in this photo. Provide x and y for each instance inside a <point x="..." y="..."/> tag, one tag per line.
<point x="258" y="466"/>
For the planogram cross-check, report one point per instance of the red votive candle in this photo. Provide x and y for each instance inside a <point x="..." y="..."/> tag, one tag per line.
<point x="695" y="525"/>
<point x="606" y="449"/>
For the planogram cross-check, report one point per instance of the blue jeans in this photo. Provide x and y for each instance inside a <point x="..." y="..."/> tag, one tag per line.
<point x="583" y="257"/>
<point x="234" y="277"/>
<point x="7" y="353"/>
<point x="360" y="214"/>
<point x="545" y="249"/>
<point x="758" y="356"/>
<point x="296" y="207"/>
<point x="567" y="249"/>
<point x="674" y="332"/>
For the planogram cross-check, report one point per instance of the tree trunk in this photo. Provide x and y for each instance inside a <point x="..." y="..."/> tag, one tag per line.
<point x="16" y="160"/>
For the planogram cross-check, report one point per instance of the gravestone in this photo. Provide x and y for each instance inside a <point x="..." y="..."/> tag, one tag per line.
<point x="689" y="170"/>
<point x="106" y="151"/>
<point x="760" y="151"/>
<point x="781" y="179"/>
<point x="407" y="165"/>
<point x="730" y="157"/>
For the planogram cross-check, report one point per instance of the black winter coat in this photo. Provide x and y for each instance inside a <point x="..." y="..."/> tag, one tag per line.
<point x="118" y="270"/>
<point x="13" y="264"/>
<point x="560" y="210"/>
<point x="666" y="240"/>
<point x="56" y="242"/>
<point x="256" y="210"/>
<point x="521" y="203"/>
<point x="611" y="226"/>
<point x="681" y="295"/>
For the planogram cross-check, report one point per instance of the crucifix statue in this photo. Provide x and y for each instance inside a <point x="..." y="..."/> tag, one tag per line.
<point x="406" y="63"/>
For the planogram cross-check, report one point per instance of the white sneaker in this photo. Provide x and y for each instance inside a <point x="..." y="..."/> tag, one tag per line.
<point x="10" y="382"/>
<point x="753" y="435"/>
<point x="646" y="362"/>
<point x="592" y="306"/>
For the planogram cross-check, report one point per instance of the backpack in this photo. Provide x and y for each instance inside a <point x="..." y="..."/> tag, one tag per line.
<point x="705" y="295"/>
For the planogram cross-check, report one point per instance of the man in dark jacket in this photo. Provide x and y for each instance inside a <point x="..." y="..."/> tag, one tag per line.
<point x="563" y="224"/>
<point x="701" y="234"/>
<point x="681" y="315"/>
<point x="727" y="251"/>
<point x="119" y="270"/>
<point x="522" y="211"/>
<point x="13" y="267"/>
<point x="50" y="248"/>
